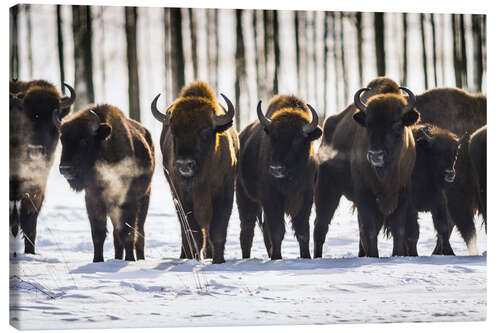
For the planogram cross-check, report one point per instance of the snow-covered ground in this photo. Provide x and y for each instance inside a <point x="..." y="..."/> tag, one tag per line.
<point x="60" y="287"/>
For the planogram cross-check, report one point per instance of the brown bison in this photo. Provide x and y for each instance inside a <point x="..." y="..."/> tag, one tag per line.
<point x="276" y="174"/>
<point x="112" y="159"/>
<point x="334" y="156"/>
<point x="459" y="112"/>
<point x="200" y="151"/>
<point x="434" y="171"/>
<point x="33" y="137"/>
<point x="477" y="152"/>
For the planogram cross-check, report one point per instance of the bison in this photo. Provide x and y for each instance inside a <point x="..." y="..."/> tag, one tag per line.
<point x="477" y="152"/>
<point x="434" y="171"/>
<point x="200" y="151"/>
<point x="276" y="174"/>
<point x="33" y="107"/>
<point x="112" y="159"/>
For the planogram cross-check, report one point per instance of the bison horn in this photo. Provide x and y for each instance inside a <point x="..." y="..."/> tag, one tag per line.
<point x="360" y="105"/>
<point x="156" y="113"/>
<point x="412" y="100"/>
<point x="308" y="128"/>
<point x="228" y="117"/>
<point x="66" y="102"/>
<point x="95" y="125"/>
<point x="262" y="118"/>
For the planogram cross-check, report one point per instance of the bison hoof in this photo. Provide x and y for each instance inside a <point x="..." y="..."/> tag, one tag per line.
<point x="218" y="261"/>
<point x="100" y="259"/>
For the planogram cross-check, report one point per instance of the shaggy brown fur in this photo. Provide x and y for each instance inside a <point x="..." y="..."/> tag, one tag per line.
<point x="33" y="140"/>
<point x="212" y="154"/>
<point x="280" y="145"/>
<point x="477" y="152"/>
<point x="112" y="159"/>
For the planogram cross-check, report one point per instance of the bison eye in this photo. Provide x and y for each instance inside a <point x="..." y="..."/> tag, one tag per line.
<point x="36" y="116"/>
<point x="205" y="135"/>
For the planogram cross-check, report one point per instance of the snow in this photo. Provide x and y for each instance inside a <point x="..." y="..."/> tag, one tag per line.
<point x="61" y="288"/>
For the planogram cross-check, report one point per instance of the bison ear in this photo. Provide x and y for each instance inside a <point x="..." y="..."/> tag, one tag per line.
<point x="315" y="134"/>
<point x="104" y="131"/>
<point x="222" y="128"/>
<point x="63" y="113"/>
<point x="359" y="117"/>
<point x="410" y="117"/>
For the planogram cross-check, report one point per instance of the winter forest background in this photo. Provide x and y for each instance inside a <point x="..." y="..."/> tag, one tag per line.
<point x="126" y="55"/>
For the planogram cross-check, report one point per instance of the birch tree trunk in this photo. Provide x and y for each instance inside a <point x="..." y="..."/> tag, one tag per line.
<point x="132" y="64"/>
<point x="380" y="43"/>
<point x="60" y="47"/>
<point x="177" y="51"/>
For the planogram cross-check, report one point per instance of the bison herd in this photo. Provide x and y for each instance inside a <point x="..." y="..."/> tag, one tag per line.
<point x="392" y="153"/>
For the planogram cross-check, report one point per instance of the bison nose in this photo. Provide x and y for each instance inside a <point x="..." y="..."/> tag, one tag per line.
<point x="67" y="171"/>
<point x="185" y="167"/>
<point x="36" y="152"/>
<point x="375" y="157"/>
<point x="277" y="171"/>
<point x="449" y="175"/>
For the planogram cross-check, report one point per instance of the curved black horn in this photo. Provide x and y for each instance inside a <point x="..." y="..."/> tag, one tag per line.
<point x="411" y="101"/>
<point x="55" y="118"/>
<point x="94" y="115"/>
<point x="308" y="128"/>
<point x="156" y="113"/>
<point x="228" y="117"/>
<point x="360" y="105"/>
<point x="262" y="118"/>
<point x="66" y="102"/>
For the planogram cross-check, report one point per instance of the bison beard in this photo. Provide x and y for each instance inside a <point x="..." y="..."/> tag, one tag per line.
<point x="200" y="152"/>
<point x="33" y="138"/>
<point x="112" y="159"/>
<point x="276" y="174"/>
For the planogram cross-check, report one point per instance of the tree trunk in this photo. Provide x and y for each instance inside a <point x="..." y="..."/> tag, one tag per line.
<point x="102" y="51"/>
<point x="335" y="59"/>
<point x="258" y="63"/>
<point x="166" y="52"/>
<point x="297" y="48"/>
<point x="216" y="60"/>
<point x="359" y="38"/>
<point x="27" y="9"/>
<point x="424" y="55"/>
<point x="315" y="57"/>
<point x="132" y="65"/>
<point x="380" y="43"/>
<point x="14" y="42"/>
<point x="276" y="35"/>
<point x="82" y="35"/>
<point x="268" y="40"/>
<point x="478" y="52"/>
<point x="405" y="49"/>
<point x="434" y="50"/>
<point x="194" y="42"/>
<point x="177" y="51"/>
<point x="326" y="28"/>
<point x="464" y="51"/>
<point x="456" y="51"/>
<point x="60" y="46"/>
<point x="240" y="67"/>
<point x="345" y="73"/>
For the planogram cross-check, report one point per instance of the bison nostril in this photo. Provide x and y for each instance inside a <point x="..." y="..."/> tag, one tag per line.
<point x="277" y="171"/>
<point x="375" y="157"/>
<point x="66" y="170"/>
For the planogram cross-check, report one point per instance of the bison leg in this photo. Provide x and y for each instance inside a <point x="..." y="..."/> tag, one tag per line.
<point x="300" y="224"/>
<point x="96" y="212"/>
<point x="128" y="229"/>
<point x="222" y="208"/>
<point x="140" y="238"/>
<point x="397" y="223"/>
<point x="370" y="222"/>
<point x="459" y="207"/>
<point x="326" y="201"/>
<point x="192" y="239"/>
<point x="442" y="226"/>
<point x="249" y="211"/>
<point x="29" y="210"/>
<point x="275" y="223"/>
<point x="412" y="232"/>
<point x="119" y="250"/>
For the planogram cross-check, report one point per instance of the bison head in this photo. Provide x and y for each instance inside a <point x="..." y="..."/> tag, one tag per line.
<point x="440" y="148"/>
<point x="33" y="133"/>
<point x="386" y="118"/>
<point x="195" y="126"/>
<point x="290" y="135"/>
<point x="81" y="138"/>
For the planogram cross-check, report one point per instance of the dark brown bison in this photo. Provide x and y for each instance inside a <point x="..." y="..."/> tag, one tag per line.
<point x="276" y="174"/>
<point x="477" y="152"/>
<point x="112" y="159"/>
<point x="334" y="156"/>
<point x="434" y="171"/>
<point x="33" y="107"/>
<point x="459" y="112"/>
<point x="200" y="151"/>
